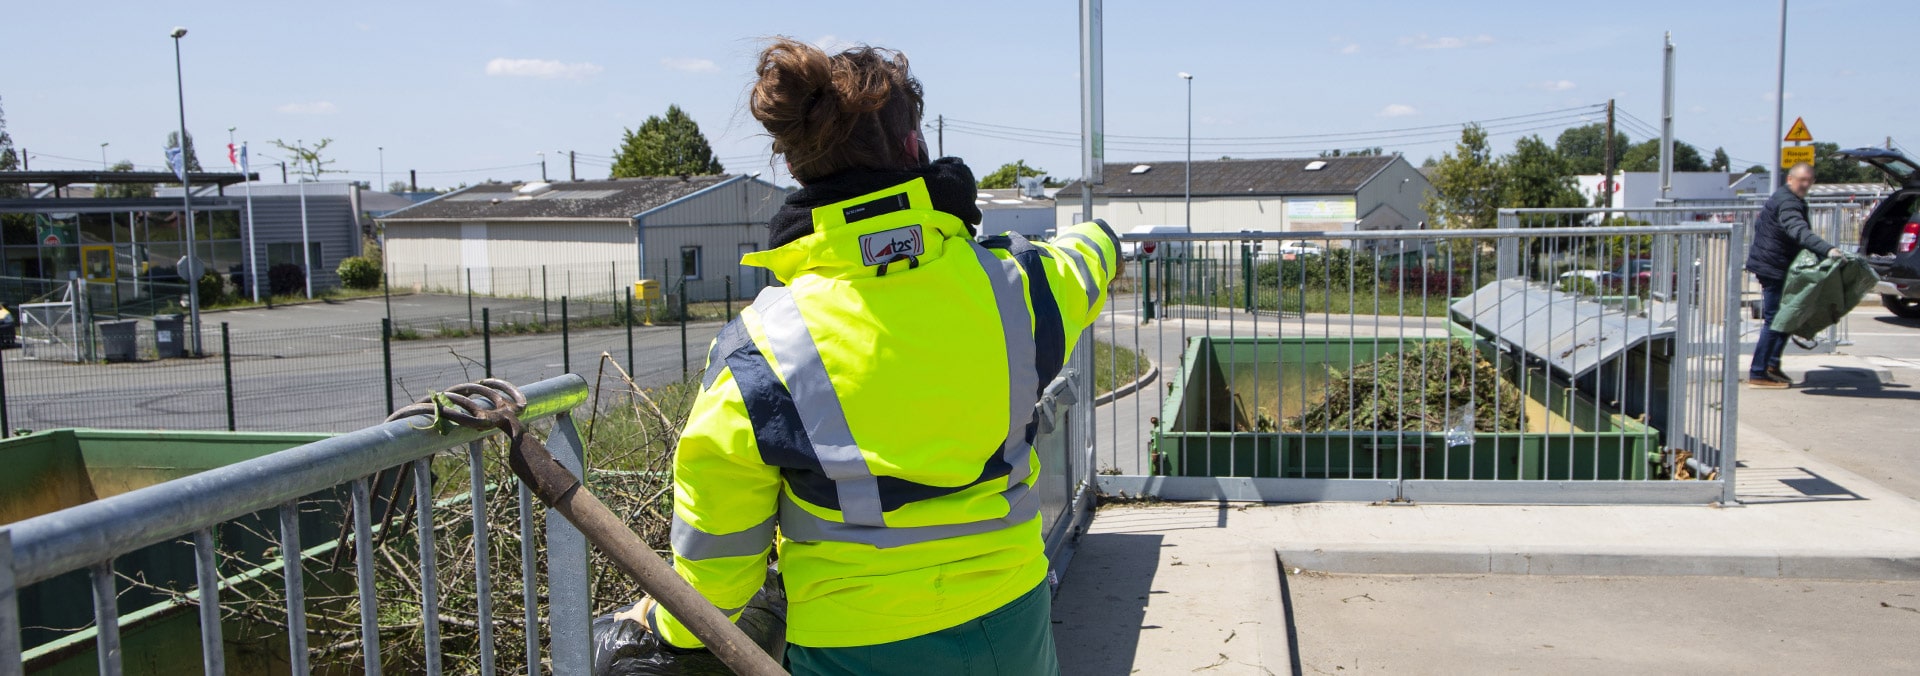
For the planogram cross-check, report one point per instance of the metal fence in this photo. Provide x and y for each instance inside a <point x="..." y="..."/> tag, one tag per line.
<point x="1588" y="364"/>
<point x="260" y="380"/>
<point x="367" y="478"/>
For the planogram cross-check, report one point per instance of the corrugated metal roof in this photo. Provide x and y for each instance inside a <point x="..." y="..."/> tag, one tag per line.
<point x="1336" y="176"/>
<point x="1572" y="334"/>
<point x="614" y="198"/>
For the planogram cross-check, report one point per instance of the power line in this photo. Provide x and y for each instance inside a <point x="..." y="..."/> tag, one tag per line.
<point x="1070" y="135"/>
<point x="1401" y="138"/>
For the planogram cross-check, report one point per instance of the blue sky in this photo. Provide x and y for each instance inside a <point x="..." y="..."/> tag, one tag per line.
<point x="468" y="91"/>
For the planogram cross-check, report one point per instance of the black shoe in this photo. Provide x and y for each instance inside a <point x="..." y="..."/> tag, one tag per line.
<point x="1775" y="374"/>
<point x="1765" y="383"/>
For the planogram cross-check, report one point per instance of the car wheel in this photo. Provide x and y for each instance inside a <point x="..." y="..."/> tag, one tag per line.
<point x="1904" y="307"/>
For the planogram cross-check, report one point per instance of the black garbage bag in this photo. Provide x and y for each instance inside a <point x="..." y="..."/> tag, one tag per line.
<point x="625" y="648"/>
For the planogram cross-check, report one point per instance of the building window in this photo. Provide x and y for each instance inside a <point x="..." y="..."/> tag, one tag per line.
<point x="690" y="262"/>
<point x="289" y="253"/>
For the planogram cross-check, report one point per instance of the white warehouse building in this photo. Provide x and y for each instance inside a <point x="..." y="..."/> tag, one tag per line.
<point x="586" y="237"/>
<point x="1378" y="192"/>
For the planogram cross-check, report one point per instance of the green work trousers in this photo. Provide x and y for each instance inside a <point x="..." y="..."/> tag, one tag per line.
<point x="1014" y="640"/>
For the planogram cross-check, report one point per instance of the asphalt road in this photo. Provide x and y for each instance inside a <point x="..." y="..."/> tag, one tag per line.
<point x="1458" y="624"/>
<point x="314" y="380"/>
<point x="1847" y="416"/>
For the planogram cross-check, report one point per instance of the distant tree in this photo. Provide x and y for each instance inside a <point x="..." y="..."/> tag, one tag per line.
<point x="1585" y="147"/>
<point x="1720" y="161"/>
<point x="1756" y="169"/>
<point x="399" y="186"/>
<point x="1467" y="184"/>
<point x="9" y="159"/>
<point x="1004" y="176"/>
<point x="308" y="161"/>
<point x="123" y="189"/>
<point x="1355" y="152"/>
<point x="1646" y="157"/>
<point x="1828" y="169"/>
<point x="1429" y="163"/>
<point x="193" y="161"/>
<point x="1537" y="176"/>
<point x="665" y="146"/>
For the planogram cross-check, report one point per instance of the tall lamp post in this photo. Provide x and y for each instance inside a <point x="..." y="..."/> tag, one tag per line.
<point x="383" y="166"/>
<point x="186" y="198"/>
<point x="103" y="157"/>
<point x="1189" y="196"/>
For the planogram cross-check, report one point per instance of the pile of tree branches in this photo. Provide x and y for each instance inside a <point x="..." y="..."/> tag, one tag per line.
<point x="629" y="438"/>
<point x="1430" y="386"/>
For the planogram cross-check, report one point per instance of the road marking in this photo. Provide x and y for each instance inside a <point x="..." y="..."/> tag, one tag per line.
<point x="1910" y="334"/>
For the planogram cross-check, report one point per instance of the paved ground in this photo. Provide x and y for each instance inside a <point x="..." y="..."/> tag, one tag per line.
<point x="1844" y="413"/>
<point x="1601" y="625"/>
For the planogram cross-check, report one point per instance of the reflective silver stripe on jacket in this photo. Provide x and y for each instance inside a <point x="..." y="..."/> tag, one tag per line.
<point x="819" y="407"/>
<point x="1093" y="283"/>
<point x="694" y="544"/>
<point x="1097" y="251"/>
<point x="796" y="523"/>
<point x="1016" y="325"/>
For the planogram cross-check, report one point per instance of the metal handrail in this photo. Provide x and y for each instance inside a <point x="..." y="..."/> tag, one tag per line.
<point x="74" y="538"/>
<point x="1483" y="233"/>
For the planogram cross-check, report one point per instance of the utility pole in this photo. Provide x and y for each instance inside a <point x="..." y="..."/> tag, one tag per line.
<point x="1606" y="182"/>
<point x="1092" y="104"/>
<point x="283" y="172"/>
<point x="1780" y="103"/>
<point x="940" y="133"/>
<point x="383" y="166"/>
<point x="1666" y="123"/>
<point x="413" y="180"/>
<point x="573" y="173"/>
<point x="543" y="165"/>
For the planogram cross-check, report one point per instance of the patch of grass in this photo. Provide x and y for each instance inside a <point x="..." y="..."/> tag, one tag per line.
<point x="1114" y="366"/>
<point x="241" y="301"/>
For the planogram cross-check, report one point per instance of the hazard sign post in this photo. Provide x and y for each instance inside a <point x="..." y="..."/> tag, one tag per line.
<point x="1796" y="153"/>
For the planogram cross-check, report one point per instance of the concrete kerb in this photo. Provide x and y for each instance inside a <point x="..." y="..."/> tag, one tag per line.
<point x="1276" y="626"/>
<point x="1428" y="559"/>
<point x="1153" y="371"/>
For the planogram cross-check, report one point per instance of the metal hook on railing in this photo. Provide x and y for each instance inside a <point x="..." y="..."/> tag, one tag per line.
<point x="559" y="489"/>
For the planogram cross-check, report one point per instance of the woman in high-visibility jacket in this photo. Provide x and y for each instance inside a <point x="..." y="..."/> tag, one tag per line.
<point x="871" y="421"/>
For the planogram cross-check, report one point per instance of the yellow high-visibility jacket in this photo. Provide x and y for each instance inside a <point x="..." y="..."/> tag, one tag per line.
<point x="874" y="420"/>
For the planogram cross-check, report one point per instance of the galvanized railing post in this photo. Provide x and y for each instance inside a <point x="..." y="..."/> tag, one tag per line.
<point x="529" y="589"/>
<point x="294" y="574"/>
<point x="213" y="650"/>
<point x="482" y="573"/>
<point x="106" y="618"/>
<point x="429" y="578"/>
<point x="1729" y="375"/>
<point x="363" y="574"/>
<point x="9" y="610"/>
<point x="569" y="594"/>
<point x="486" y="340"/>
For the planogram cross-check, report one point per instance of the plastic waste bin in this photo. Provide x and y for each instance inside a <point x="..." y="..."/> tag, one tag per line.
<point x="117" y="342"/>
<point x="168" y="339"/>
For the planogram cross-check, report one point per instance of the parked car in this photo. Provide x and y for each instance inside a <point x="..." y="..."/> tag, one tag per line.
<point x="1151" y="249"/>
<point x="1889" y="235"/>
<point x="1290" y="248"/>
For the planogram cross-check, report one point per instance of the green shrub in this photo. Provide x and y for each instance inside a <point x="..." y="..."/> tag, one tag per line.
<point x="213" y="289"/>
<point x="360" y="272"/>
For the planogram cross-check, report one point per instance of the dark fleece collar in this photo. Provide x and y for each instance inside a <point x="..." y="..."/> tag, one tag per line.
<point x="949" y="182"/>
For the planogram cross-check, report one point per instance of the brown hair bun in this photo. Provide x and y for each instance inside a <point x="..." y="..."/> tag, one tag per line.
<point x="830" y="113"/>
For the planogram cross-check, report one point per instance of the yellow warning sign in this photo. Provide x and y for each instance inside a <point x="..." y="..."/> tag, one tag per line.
<point x="1799" y="131"/>
<point x="1792" y="155"/>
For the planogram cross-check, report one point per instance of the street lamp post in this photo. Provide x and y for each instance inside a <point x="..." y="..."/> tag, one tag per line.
<point x="1189" y="195"/>
<point x="186" y="198"/>
<point x="383" y="166"/>
<point x="103" y="157"/>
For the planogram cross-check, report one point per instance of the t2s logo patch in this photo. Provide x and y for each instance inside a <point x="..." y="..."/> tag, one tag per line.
<point x="884" y="246"/>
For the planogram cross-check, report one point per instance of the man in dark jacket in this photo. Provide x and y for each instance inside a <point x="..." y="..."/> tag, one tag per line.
<point x="1780" y="232"/>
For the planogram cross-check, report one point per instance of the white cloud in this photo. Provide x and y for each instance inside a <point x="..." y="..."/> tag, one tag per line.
<point x="1556" y="85"/>
<point x="1398" y="110"/>
<point x="689" y="64"/>
<point x="541" y="68"/>
<point x="308" y="108"/>
<point x="1423" y="41"/>
<point x="1845" y="72"/>
<point x="833" y="44"/>
<point x="1768" y="97"/>
<point x="1350" y="49"/>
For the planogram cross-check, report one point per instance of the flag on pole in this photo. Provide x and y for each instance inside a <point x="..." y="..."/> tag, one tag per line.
<point x="177" y="160"/>
<point x="233" y="157"/>
<point x="243" y="159"/>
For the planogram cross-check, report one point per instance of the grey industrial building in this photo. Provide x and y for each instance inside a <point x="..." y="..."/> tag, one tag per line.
<point x="586" y="237"/>
<point x="1378" y="192"/>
